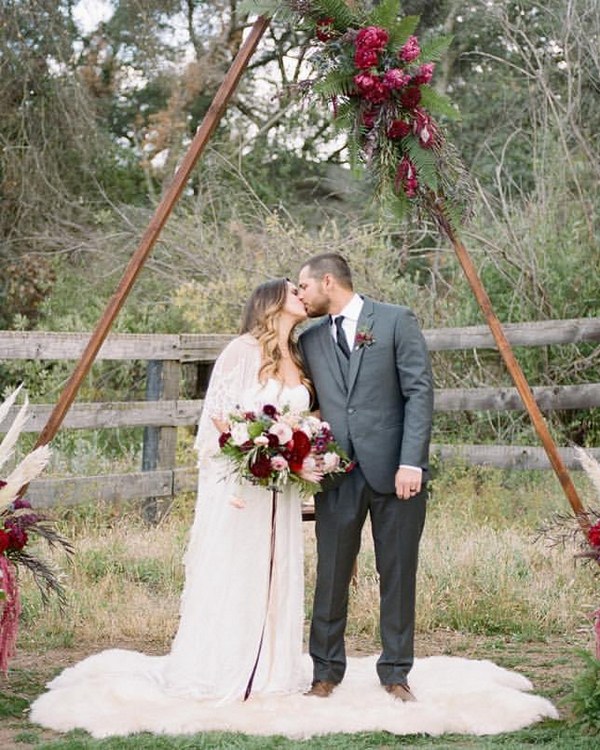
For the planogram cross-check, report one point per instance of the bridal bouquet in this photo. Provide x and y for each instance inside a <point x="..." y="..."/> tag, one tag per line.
<point x="271" y="448"/>
<point x="19" y="524"/>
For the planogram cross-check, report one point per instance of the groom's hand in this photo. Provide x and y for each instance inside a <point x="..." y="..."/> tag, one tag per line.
<point x="408" y="482"/>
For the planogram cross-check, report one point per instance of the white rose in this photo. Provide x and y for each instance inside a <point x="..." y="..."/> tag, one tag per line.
<point x="331" y="461"/>
<point x="282" y="432"/>
<point x="239" y="433"/>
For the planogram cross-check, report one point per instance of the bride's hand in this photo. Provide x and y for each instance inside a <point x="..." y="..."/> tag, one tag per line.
<point x="220" y="424"/>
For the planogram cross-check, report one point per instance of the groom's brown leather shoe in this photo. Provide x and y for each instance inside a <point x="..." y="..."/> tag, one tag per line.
<point x="401" y="692"/>
<point x="321" y="689"/>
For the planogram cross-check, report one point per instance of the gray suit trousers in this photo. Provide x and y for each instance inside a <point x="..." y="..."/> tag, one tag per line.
<point x="397" y="525"/>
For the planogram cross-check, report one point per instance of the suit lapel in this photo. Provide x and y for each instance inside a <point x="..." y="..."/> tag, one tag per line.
<point x="365" y="322"/>
<point x="329" y="354"/>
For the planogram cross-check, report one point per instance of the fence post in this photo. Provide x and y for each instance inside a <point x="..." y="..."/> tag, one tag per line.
<point x="160" y="443"/>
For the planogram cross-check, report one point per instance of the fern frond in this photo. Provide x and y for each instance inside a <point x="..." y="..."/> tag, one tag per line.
<point x="384" y="14"/>
<point x="335" y="83"/>
<point x="424" y="161"/>
<point x="344" y="17"/>
<point x="345" y="116"/>
<point x="438" y="104"/>
<point x="432" y="51"/>
<point x="400" y="32"/>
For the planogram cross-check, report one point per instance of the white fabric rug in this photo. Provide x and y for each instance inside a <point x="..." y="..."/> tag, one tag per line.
<point x="118" y="692"/>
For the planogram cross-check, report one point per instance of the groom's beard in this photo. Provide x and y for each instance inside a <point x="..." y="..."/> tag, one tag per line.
<point x="317" y="309"/>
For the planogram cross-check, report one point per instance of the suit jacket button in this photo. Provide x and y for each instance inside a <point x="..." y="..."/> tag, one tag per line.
<point x="351" y="411"/>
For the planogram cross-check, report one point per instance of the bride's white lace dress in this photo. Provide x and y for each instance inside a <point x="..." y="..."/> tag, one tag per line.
<point x="199" y="685"/>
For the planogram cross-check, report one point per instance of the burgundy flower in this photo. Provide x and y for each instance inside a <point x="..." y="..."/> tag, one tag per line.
<point x="365" y="58"/>
<point x="424" y="128"/>
<point x="301" y="442"/>
<point x="410" y="97"/>
<point x="17" y="538"/>
<point x="594" y="535"/>
<point x="261" y="467"/>
<point x="398" y="129"/>
<point x="273" y="440"/>
<point x="269" y="410"/>
<point x="325" y="30"/>
<point x="299" y="450"/>
<point x="372" y="37"/>
<point x="21" y="503"/>
<point x="223" y="438"/>
<point x="411" y="50"/>
<point x="4" y="540"/>
<point x="395" y="78"/>
<point x="249" y="415"/>
<point x="406" y="177"/>
<point x="424" y="74"/>
<point x="369" y="116"/>
<point x="371" y="88"/>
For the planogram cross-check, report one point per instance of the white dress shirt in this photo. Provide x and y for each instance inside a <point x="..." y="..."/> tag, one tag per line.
<point x="351" y="314"/>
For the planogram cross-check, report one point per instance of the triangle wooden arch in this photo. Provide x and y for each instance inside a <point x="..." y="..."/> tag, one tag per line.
<point x="162" y="213"/>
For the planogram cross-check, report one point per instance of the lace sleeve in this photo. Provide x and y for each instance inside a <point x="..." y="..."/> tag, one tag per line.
<point x="235" y="370"/>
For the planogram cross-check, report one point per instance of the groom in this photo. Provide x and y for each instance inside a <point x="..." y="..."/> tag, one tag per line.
<point x="370" y="367"/>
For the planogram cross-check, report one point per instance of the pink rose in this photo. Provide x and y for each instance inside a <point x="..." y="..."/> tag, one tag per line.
<point x="371" y="88"/>
<point x="424" y="74"/>
<point x="372" y="37"/>
<point x="365" y="58"/>
<point x="278" y="463"/>
<point x="411" y="50"/>
<point x="395" y="78"/>
<point x="261" y="440"/>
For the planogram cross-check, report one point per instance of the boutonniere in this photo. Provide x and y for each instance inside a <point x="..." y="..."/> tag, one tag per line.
<point x="364" y="337"/>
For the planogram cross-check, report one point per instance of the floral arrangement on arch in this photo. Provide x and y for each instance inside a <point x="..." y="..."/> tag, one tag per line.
<point x="377" y="74"/>
<point x="272" y="448"/>
<point x="565" y="528"/>
<point x="19" y="524"/>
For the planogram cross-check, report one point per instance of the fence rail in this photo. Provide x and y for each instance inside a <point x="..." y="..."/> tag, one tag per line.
<point x="164" y="411"/>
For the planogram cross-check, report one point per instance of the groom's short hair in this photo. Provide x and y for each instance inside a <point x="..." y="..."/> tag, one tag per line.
<point x="330" y="263"/>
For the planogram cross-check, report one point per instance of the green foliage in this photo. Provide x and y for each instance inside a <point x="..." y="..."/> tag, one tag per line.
<point x="438" y="104"/>
<point x="434" y="50"/>
<point x="338" y="82"/>
<point x="339" y="10"/>
<point x="401" y="30"/>
<point x="585" y="700"/>
<point x="384" y="14"/>
<point x="424" y="160"/>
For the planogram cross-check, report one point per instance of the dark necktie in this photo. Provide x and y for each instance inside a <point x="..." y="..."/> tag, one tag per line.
<point x="342" y="341"/>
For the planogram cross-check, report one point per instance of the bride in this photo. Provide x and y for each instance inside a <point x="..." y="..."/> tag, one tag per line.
<point x="226" y="601"/>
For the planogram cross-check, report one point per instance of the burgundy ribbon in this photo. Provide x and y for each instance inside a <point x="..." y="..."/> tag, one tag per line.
<point x="271" y="565"/>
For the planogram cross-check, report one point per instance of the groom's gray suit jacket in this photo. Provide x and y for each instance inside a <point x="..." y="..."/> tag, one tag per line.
<point x="380" y="404"/>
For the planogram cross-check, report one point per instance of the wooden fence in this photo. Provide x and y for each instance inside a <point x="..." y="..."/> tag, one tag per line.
<point x="164" y="410"/>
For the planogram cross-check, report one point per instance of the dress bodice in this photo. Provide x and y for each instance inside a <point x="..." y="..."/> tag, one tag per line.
<point x="274" y="392"/>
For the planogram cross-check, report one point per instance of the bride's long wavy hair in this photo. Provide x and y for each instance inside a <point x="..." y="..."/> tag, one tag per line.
<point x="259" y="319"/>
